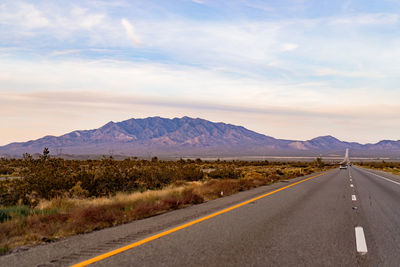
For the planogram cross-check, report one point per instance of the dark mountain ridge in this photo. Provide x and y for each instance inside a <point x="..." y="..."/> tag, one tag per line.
<point x="188" y="136"/>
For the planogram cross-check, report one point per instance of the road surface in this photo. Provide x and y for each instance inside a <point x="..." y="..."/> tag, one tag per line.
<point x="341" y="218"/>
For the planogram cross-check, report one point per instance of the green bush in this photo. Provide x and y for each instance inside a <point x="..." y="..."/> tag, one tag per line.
<point x="7" y="213"/>
<point x="4" y="250"/>
<point x="4" y="215"/>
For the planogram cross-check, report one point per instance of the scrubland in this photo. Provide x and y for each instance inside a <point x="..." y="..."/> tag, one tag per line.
<point x="49" y="198"/>
<point x="391" y="167"/>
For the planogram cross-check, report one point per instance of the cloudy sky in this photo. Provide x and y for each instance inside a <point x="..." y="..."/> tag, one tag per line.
<point x="292" y="69"/>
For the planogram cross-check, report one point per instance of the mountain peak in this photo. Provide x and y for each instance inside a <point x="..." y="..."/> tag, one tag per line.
<point x="108" y="124"/>
<point x="325" y="138"/>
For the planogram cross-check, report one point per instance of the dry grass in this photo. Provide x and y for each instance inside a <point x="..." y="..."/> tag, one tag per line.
<point x="70" y="204"/>
<point x="395" y="171"/>
<point x="390" y="167"/>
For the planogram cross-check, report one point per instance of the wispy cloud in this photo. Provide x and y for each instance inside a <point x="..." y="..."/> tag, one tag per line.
<point x="130" y="32"/>
<point x="65" y="52"/>
<point x="289" y="47"/>
<point x="85" y="19"/>
<point x="22" y="15"/>
<point x="198" y="1"/>
<point x="348" y="73"/>
<point x="367" y="19"/>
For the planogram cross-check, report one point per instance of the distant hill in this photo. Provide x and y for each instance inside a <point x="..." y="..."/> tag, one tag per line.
<point x="189" y="137"/>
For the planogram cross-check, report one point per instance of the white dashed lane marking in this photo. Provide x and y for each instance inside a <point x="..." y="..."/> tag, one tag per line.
<point x="360" y="240"/>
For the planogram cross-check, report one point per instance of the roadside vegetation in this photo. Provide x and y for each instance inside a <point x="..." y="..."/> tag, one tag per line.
<point x="48" y="198"/>
<point x="391" y="167"/>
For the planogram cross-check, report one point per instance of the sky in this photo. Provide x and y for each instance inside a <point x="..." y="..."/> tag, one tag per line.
<point x="291" y="69"/>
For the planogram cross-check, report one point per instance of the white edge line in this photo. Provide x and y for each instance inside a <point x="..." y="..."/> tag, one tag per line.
<point x="382" y="177"/>
<point x="360" y="240"/>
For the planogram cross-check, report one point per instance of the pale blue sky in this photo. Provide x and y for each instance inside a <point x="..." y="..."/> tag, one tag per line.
<point x="289" y="69"/>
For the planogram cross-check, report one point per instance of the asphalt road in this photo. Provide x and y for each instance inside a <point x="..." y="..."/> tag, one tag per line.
<point x="312" y="223"/>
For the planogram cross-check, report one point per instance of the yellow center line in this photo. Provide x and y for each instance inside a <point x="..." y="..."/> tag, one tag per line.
<point x="167" y="232"/>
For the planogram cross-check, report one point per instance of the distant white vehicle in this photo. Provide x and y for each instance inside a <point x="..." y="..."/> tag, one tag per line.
<point x="346" y="161"/>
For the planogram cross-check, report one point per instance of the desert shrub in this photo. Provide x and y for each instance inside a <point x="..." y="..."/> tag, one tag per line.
<point x="6" y="170"/>
<point x="189" y="173"/>
<point x="319" y="163"/>
<point x="253" y="175"/>
<point x="48" y="178"/>
<point x="77" y="191"/>
<point x="225" y="172"/>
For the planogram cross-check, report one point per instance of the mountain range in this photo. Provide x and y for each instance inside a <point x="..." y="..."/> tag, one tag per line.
<point x="180" y="137"/>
